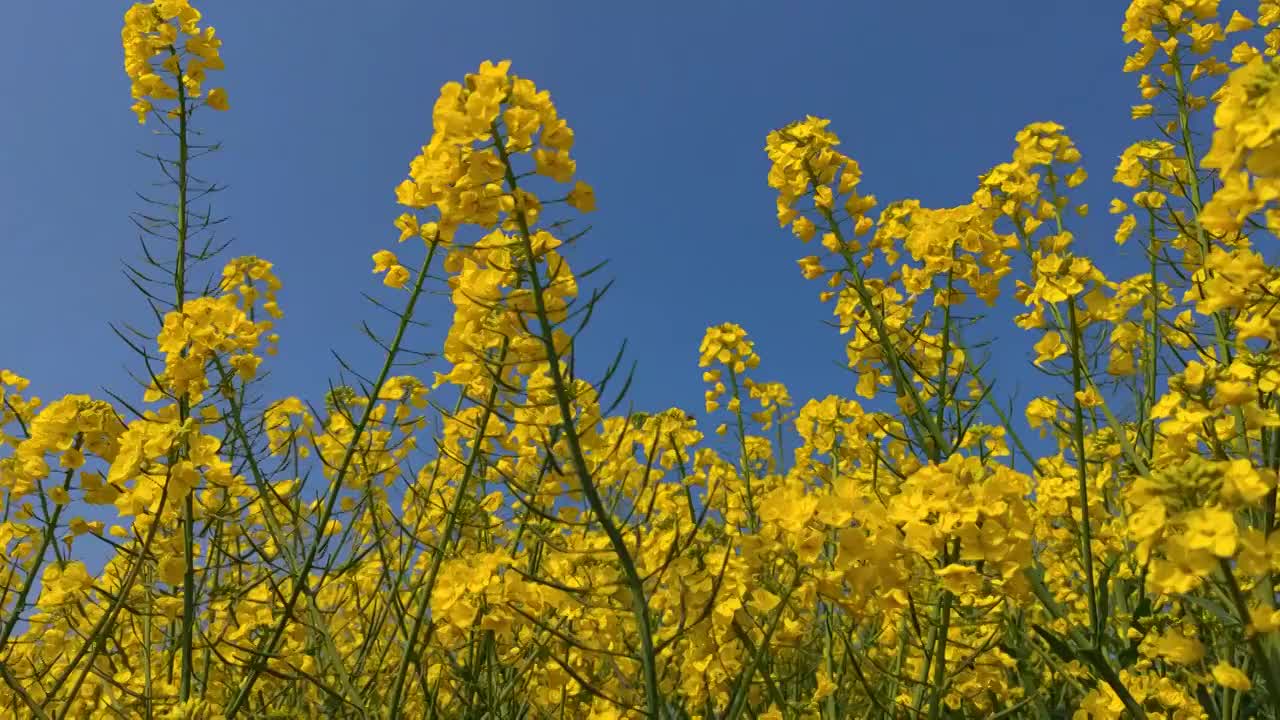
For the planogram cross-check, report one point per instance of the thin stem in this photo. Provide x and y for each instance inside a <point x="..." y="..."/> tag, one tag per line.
<point x="184" y="406"/>
<point x="635" y="584"/>
<point x="1082" y="470"/>
<point x="302" y="582"/>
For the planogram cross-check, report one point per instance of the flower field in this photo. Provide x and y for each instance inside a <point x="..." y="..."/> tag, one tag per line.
<point x="487" y="529"/>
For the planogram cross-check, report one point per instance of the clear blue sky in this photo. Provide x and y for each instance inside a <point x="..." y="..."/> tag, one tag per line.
<point x="670" y="101"/>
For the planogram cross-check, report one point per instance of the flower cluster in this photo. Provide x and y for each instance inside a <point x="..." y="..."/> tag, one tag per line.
<point x="166" y="56"/>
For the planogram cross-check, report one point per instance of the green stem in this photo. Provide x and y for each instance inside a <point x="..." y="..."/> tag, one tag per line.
<point x="424" y="605"/>
<point x="96" y="638"/>
<point x="938" y="690"/>
<point x="1082" y="470"/>
<point x="752" y="520"/>
<point x="1260" y="654"/>
<point x="302" y="583"/>
<point x="934" y="444"/>
<point x="21" y="692"/>
<point x="635" y="584"/>
<point x="184" y="407"/>
<point x="1221" y="321"/>
<point x="28" y="582"/>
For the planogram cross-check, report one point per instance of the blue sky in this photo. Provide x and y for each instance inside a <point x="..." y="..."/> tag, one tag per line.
<point x="671" y="103"/>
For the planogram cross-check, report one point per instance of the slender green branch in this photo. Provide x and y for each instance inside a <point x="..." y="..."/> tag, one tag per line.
<point x="302" y="582"/>
<point x="546" y="334"/>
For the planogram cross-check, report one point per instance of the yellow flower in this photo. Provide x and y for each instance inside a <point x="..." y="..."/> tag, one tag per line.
<point x="172" y="570"/>
<point x="1088" y="398"/>
<point x="396" y="277"/>
<point x="582" y="197"/>
<point x="63" y="582"/>
<point x="1227" y="676"/>
<point x="1049" y="348"/>
<point x="1238" y="23"/>
<point x="1178" y="648"/>
<point x="1125" y="229"/>
<point x="1212" y="529"/>
<point x="1241" y="482"/>
<point x="727" y="345"/>
<point x="1041" y="412"/>
<point x="957" y="578"/>
<point x="408" y="226"/>
<point x="71" y="459"/>
<point x="217" y="99"/>
<point x="1147" y="520"/>
<point x="803" y="228"/>
<point x="811" y="267"/>
<point x="384" y="260"/>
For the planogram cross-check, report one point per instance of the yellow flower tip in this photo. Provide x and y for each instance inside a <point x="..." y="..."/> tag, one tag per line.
<point x="141" y="108"/>
<point x="408" y="226"/>
<point x="217" y="99"/>
<point x="1238" y="22"/>
<point x="803" y="228"/>
<point x="1125" y="229"/>
<point x="383" y="260"/>
<point x="582" y="197"/>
